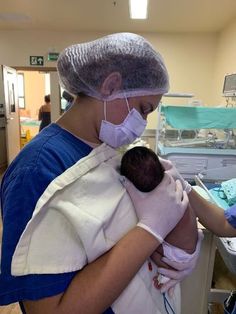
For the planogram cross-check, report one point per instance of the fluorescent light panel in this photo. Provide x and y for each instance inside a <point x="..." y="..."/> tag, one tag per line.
<point x="138" y="9"/>
<point x="14" y="17"/>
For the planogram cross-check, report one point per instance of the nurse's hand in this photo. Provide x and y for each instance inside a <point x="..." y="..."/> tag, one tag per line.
<point x="160" y="210"/>
<point x="172" y="170"/>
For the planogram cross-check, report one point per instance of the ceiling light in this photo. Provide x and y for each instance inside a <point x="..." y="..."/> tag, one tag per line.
<point x="138" y="9"/>
<point x="14" y="17"/>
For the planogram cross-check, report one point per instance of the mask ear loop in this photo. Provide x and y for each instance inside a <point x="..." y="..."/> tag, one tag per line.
<point x="105" y="109"/>
<point x="127" y="103"/>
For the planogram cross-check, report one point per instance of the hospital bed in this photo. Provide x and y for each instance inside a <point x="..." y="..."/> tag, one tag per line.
<point x="197" y="139"/>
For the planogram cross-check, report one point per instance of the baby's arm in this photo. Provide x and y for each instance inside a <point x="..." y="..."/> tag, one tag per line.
<point x="181" y="241"/>
<point x="173" y="258"/>
<point x="185" y="235"/>
<point x="211" y="216"/>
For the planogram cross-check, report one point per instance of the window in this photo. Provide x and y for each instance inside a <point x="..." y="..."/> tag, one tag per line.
<point x="21" y="90"/>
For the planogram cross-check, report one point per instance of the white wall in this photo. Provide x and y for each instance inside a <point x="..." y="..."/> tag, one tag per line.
<point x="190" y="60"/>
<point x="225" y="60"/>
<point x="17" y="46"/>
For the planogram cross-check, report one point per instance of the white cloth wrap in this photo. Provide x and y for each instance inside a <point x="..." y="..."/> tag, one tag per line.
<point x="81" y="215"/>
<point x="176" y="254"/>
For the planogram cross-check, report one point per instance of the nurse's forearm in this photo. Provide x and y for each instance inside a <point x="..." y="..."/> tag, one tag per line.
<point x="100" y="283"/>
<point x="211" y="216"/>
<point x="104" y="280"/>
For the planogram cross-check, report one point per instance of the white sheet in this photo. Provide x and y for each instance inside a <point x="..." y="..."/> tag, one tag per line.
<point x="81" y="215"/>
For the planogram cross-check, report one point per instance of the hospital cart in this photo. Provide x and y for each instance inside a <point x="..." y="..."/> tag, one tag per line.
<point x="226" y="246"/>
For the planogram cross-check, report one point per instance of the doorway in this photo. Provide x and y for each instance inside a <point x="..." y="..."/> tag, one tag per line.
<point x="32" y="84"/>
<point x="32" y="87"/>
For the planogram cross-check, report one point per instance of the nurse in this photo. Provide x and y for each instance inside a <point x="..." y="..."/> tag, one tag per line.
<point x="118" y="80"/>
<point x="220" y="222"/>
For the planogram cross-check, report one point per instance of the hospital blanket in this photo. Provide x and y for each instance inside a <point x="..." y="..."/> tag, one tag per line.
<point x="191" y="118"/>
<point x="80" y="216"/>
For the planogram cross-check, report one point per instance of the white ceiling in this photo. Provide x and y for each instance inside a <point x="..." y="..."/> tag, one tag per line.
<point x="113" y="16"/>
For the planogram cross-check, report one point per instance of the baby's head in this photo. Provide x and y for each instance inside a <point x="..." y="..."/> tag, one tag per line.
<point x="142" y="167"/>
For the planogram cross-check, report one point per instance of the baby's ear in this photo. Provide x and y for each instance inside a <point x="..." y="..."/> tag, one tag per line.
<point x="111" y="84"/>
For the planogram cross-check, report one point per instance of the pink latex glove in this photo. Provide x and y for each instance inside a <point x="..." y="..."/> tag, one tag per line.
<point x="160" y="210"/>
<point x="182" y="269"/>
<point x="172" y="170"/>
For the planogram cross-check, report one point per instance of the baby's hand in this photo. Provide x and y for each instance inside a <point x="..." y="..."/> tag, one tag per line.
<point x="157" y="256"/>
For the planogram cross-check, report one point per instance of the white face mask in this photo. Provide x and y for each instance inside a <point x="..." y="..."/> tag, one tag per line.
<point x="124" y="133"/>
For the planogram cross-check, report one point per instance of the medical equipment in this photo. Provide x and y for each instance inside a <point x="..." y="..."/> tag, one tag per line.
<point x="197" y="139"/>
<point x="226" y="246"/>
<point x="167" y="304"/>
<point x="229" y="189"/>
<point x="229" y="89"/>
<point x="230" y="303"/>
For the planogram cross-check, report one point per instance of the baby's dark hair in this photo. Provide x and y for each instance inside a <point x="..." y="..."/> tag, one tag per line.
<point x="142" y="167"/>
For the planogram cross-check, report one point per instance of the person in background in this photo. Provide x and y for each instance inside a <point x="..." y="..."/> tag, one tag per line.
<point x="45" y="113"/>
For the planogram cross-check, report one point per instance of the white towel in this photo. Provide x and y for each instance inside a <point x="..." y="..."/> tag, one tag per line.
<point x="80" y="216"/>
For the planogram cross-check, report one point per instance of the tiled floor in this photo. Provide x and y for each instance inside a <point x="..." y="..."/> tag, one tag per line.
<point x="223" y="278"/>
<point x="11" y="309"/>
<point x="216" y="309"/>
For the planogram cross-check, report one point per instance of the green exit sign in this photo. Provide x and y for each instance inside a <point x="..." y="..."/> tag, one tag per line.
<point x="53" y="56"/>
<point x="36" y="60"/>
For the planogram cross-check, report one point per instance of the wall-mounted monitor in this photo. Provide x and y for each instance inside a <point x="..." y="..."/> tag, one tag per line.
<point x="229" y="88"/>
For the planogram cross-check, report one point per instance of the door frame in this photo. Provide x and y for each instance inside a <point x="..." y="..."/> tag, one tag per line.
<point x="30" y="68"/>
<point x="12" y="125"/>
<point x="55" y="92"/>
<point x="54" y="84"/>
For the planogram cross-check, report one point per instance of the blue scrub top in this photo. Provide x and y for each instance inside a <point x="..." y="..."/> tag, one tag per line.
<point x="230" y="214"/>
<point x="44" y="158"/>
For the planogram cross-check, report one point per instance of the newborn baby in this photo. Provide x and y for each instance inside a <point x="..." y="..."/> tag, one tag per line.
<point x="143" y="168"/>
